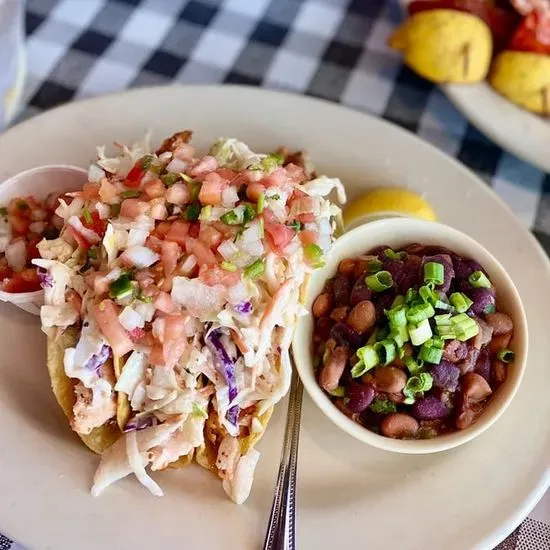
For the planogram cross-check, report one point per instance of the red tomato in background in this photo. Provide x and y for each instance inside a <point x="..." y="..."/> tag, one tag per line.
<point x="533" y="34"/>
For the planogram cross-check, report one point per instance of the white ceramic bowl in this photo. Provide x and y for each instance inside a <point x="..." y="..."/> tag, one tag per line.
<point x="398" y="232"/>
<point x="38" y="182"/>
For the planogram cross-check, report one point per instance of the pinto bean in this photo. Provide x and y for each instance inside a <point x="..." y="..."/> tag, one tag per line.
<point x="500" y="342"/>
<point x="339" y="314"/>
<point x="362" y="317"/>
<point x="399" y="426"/>
<point x="347" y="266"/>
<point x="475" y="387"/>
<point x="322" y="305"/>
<point x="499" y="371"/>
<point x="500" y="322"/>
<point x="465" y="417"/>
<point x="389" y="379"/>
<point x="333" y="369"/>
<point x="484" y="335"/>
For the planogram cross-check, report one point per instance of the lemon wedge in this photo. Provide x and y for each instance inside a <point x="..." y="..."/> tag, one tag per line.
<point x="387" y="202"/>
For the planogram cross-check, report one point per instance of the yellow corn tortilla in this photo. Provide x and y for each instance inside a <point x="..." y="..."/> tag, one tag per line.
<point x="99" y="439"/>
<point x="445" y="45"/>
<point x="123" y="409"/>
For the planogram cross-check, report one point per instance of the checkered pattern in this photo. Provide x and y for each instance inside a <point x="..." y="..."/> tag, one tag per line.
<point x="334" y="49"/>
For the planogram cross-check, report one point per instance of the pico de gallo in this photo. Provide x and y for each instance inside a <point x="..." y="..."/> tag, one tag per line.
<point x="188" y="269"/>
<point x="24" y="223"/>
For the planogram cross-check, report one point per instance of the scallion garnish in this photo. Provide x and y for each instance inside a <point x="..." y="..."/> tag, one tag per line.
<point x="254" y="270"/>
<point x="399" y="335"/>
<point x="340" y="391"/>
<point x="228" y="266"/>
<point x="434" y="272"/>
<point x="417" y="314"/>
<point x="428" y="294"/>
<point x="192" y="212"/>
<point x="464" y="327"/>
<point x="374" y="266"/>
<point x="231" y="218"/>
<point x="170" y="178"/>
<point x="430" y="354"/>
<point x="420" y="333"/>
<point x="397" y="316"/>
<point x="93" y="252"/>
<point x="368" y="359"/>
<point x="87" y="216"/>
<point x="478" y="279"/>
<point x="146" y="162"/>
<point x="417" y="385"/>
<point x="272" y="161"/>
<point x="382" y="406"/>
<point x="130" y="194"/>
<point x="122" y="287"/>
<point x="206" y="212"/>
<point x="186" y="178"/>
<point x="399" y="300"/>
<point x="386" y="351"/>
<point x="460" y="302"/>
<point x="506" y="355"/>
<point x="392" y="255"/>
<point x="261" y="203"/>
<point x="314" y="255"/>
<point x="380" y="281"/>
<point x="412" y="365"/>
<point x="411" y="296"/>
<point x="249" y="213"/>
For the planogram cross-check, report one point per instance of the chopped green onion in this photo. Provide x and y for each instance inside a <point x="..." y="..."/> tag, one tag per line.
<point x="397" y="317"/>
<point x="193" y="186"/>
<point x="460" y="302"/>
<point x="420" y="333"/>
<point x="386" y="351"/>
<point x="145" y="299"/>
<point x="392" y="255"/>
<point x="399" y="335"/>
<point x="369" y="358"/>
<point x="436" y="342"/>
<point x="3" y="211"/>
<point x="198" y="412"/>
<point x="261" y="228"/>
<point x="87" y="216"/>
<point x="430" y="354"/>
<point x="340" y="391"/>
<point x="478" y="279"/>
<point x="399" y="300"/>
<point x="380" y="281"/>
<point x="417" y="314"/>
<point x="146" y="161"/>
<point x="186" y="178"/>
<point x="130" y="194"/>
<point x="465" y="327"/>
<point x="417" y="385"/>
<point x="296" y="225"/>
<point x="313" y="254"/>
<point x="254" y="270"/>
<point x="272" y="161"/>
<point x="382" y="406"/>
<point x="434" y="272"/>
<point x="428" y="294"/>
<point x="115" y="210"/>
<point x="228" y="266"/>
<point x="443" y="320"/>
<point x="192" y="212"/>
<point x="93" y="252"/>
<point x="506" y="355"/>
<point x="443" y="306"/>
<point x="231" y="218"/>
<point x="170" y="178"/>
<point x="249" y="213"/>
<point x="122" y="287"/>
<point x="446" y="332"/>
<point x="412" y="365"/>
<point x="374" y="266"/>
<point x="275" y="197"/>
<point x="261" y="203"/>
<point x="206" y="213"/>
<point x="411" y="296"/>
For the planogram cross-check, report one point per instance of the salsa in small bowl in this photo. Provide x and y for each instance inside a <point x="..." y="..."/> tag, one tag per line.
<point x="417" y="337"/>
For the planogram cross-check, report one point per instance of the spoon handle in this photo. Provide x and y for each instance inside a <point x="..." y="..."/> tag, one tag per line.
<point x="281" y="531"/>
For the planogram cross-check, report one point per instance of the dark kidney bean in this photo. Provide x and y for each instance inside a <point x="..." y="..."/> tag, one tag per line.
<point x="415" y="248"/>
<point x="429" y="408"/>
<point x="341" y="288"/>
<point x="359" y="397"/>
<point x="483" y="365"/>
<point x="384" y="301"/>
<point x="360" y="292"/>
<point x="323" y="327"/>
<point x="345" y="335"/>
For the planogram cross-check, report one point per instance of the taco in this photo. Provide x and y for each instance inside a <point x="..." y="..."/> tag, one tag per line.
<point x="171" y="315"/>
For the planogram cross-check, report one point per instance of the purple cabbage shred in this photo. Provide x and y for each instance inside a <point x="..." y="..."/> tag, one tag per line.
<point x="244" y="307"/>
<point x="141" y="422"/>
<point x="46" y="280"/>
<point x="96" y="361"/>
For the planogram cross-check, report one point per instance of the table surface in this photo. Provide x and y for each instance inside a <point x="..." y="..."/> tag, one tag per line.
<point x="334" y="49"/>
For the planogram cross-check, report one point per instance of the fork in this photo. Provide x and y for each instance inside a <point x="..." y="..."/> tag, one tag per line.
<point x="281" y="530"/>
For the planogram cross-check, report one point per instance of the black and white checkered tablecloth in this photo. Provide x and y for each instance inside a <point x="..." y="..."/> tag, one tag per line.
<point x="334" y="49"/>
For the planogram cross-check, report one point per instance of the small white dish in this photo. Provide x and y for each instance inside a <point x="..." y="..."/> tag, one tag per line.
<point x="38" y="182"/>
<point x="395" y="233"/>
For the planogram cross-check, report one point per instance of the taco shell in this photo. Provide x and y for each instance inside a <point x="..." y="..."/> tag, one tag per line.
<point x="99" y="439"/>
<point x="123" y="409"/>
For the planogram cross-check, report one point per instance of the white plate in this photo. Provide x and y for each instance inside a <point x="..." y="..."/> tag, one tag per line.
<point x="349" y="493"/>
<point x="524" y="134"/>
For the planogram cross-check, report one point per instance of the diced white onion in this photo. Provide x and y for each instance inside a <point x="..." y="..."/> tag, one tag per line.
<point x="188" y="265"/>
<point x="140" y="256"/>
<point x="146" y="310"/>
<point x="137" y="237"/>
<point x="177" y="165"/>
<point x="95" y="173"/>
<point x="230" y="197"/>
<point x="228" y="249"/>
<point x="91" y="236"/>
<point x="131" y="319"/>
<point x="16" y="255"/>
<point x="114" y="274"/>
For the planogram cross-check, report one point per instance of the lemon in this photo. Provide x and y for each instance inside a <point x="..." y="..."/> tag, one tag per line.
<point x="387" y="202"/>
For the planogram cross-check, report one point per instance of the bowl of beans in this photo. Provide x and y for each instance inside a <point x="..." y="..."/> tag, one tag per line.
<point x="417" y="337"/>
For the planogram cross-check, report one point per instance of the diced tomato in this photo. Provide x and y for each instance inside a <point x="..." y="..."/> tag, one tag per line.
<point x="279" y="178"/>
<point x="278" y="234"/>
<point x="217" y="276"/>
<point x="157" y="354"/>
<point x="19" y="225"/>
<point x="25" y="281"/>
<point x="178" y="232"/>
<point x="502" y="22"/>
<point x="254" y="190"/>
<point x="90" y="191"/>
<point x="106" y="316"/>
<point x="309" y="236"/>
<point x="154" y="188"/>
<point x="209" y="236"/>
<point x="194" y="230"/>
<point x="132" y="208"/>
<point x="533" y="34"/>
<point x="162" y="229"/>
<point x="107" y="191"/>
<point x="80" y="240"/>
<point x="20" y="207"/>
<point x="133" y="179"/>
<point x="163" y="302"/>
<point x="97" y="225"/>
<point x="204" y="255"/>
<point x="32" y="250"/>
<point x="211" y="189"/>
<point x="206" y="164"/>
<point x="170" y="253"/>
<point x="5" y="273"/>
<point x="295" y="173"/>
<point x="227" y="174"/>
<point x="136" y="334"/>
<point x="174" y="339"/>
